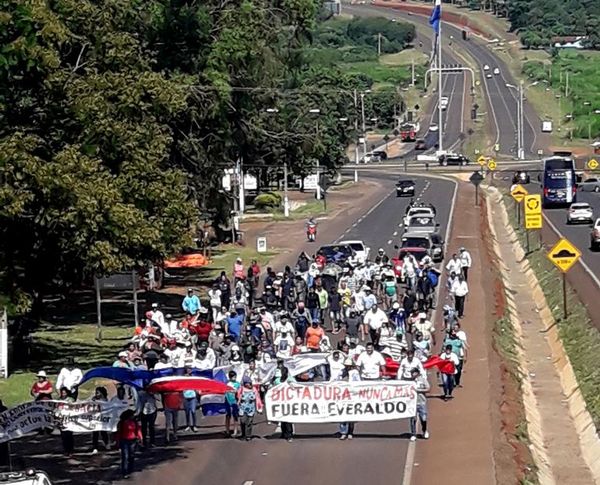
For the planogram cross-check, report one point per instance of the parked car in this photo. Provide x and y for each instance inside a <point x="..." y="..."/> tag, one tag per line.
<point x="595" y="236"/>
<point x="361" y="250"/>
<point x="452" y="159"/>
<point x="29" y="477"/>
<point x="590" y="185"/>
<point x="405" y="187"/>
<point x="580" y="212"/>
<point x="338" y="253"/>
<point x="420" y="144"/>
<point x="421" y="224"/>
<point x="496" y="71"/>
<point x="521" y="177"/>
<point x="486" y="68"/>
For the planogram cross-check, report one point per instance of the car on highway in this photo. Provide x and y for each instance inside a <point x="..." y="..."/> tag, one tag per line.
<point x="453" y="159"/>
<point x="486" y="68"/>
<point x="489" y="76"/>
<point x="433" y="128"/>
<point x="589" y="185"/>
<point x="444" y="102"/>
<point x="420" y="144"/>
<point x="405" y="187"/>
<point x="595" y="236"/>
<point x="361" y="250"/>
<point x="421" y="210"/>
<point x="417" y="245"/>
<point x="496" y="71"/>
<point x="521" y="177"/>
<point x="580" y="212"/>
<point x="338" y="253"/>
<point x="381" y="154"/>
<point x="421" y="224"/>
<point x="438" y="247"/>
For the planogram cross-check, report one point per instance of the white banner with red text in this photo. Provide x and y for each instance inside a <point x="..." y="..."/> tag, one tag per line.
<point x="78" y="417"/>
<point x="340" y="402"/>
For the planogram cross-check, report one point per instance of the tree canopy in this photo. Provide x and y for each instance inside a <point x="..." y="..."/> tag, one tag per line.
<point x="118" y="117"/>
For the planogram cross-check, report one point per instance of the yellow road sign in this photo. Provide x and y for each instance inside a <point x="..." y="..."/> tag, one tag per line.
<point x="564" y="255"/>
<point x="592" y="164"/>
<point x="533" y="211"/>
<point x="481" y="160"/>
<point x="492" y="165"/>
<point x="533" y="205"/>
<point x="518" y="192"/>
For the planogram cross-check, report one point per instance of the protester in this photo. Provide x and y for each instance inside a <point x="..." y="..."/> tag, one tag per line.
<point x="101" y="396"/>
<point x="191" y="303"/>
<point x="447" y="375"/>
<point x="420" y="379"/>
<point x="231" y="405"/>
<point x="247" y="404"/>
<point x="460" y="289"/>
<point x="351" y="374"/>
<point x="370" y="364"/>
<point x="148" y="416"/>
<point x="465" y="262"/>
<point x="68" y="441"/>
<point x="373" y="321"/>
<point x="172" y="403"/>
<point x="42" y="388"/>
<point x="69" y="378"/>
<point x="127" y="435"/>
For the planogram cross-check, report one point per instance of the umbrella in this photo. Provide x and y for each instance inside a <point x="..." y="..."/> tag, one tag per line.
<point x="185" y="383"/>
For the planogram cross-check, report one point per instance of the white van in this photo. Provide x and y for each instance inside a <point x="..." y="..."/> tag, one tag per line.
<point x="29" y="477"/>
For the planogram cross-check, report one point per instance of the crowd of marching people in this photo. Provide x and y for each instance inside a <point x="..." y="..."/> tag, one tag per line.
<point x="255" y="323"/>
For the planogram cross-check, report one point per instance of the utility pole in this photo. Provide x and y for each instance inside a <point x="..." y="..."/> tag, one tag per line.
<point x="363" y="126"/>
<point x="440" y="87"/>
<point x="412" y="70"/>
<point x="521" y="153"/>
<point x="286" y="203"/>
<point x="567" y="85"/>
<point x="357" y="135"/>
<point x="378" y="44"/>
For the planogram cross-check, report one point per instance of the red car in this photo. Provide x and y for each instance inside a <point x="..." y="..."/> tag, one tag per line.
<point x="418" y="253"/>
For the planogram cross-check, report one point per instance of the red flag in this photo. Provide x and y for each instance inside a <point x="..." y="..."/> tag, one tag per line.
<point x="444" y="366"/>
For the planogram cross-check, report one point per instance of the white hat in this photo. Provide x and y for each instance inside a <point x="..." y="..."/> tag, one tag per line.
<point x="122" y="354"/>
<point x="41" y="373"/>
<point x="154" y="305"/>
<point x="365" y="288"/>
<point x="396" y="305"/>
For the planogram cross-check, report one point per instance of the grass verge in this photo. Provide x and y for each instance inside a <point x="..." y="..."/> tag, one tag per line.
<point x="580" y="339"/>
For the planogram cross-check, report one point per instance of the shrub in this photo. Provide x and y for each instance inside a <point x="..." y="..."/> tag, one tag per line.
<point x="267" y="201"/>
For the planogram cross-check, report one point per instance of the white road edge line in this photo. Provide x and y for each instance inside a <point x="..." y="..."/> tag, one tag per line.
<point x="581" y="261"/>
<point x="412" y="445"/>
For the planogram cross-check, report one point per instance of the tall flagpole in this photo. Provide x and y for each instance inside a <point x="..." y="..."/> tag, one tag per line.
<point x="439" y="63"/>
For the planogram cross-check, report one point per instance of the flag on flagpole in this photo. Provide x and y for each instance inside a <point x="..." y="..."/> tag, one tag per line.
<point x="436" y="16"/>
<point x="434" y="21"/>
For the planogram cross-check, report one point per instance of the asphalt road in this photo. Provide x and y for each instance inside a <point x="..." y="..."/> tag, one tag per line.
<point x="316" y="456"/>
<point x="501" y="99"/>
<point x="453" y="87"/>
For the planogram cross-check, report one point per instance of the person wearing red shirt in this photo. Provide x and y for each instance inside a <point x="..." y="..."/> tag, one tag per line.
<point x="42" y="389"/>
<point x="203" y="329"/>
<point x="128" y="434"/>
<point x="172" y="403"/>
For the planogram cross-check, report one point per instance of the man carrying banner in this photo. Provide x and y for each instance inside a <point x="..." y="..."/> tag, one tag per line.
<point x="370" y="364"/>
<point x="351" y="375"/>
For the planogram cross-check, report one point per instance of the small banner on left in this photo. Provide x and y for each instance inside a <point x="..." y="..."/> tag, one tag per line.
<point x="78" y="417"/>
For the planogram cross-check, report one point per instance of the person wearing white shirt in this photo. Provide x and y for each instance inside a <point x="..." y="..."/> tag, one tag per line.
<point x="163" y="363"/>
<point x="409" y="270"/>
<point x="336" y="366"/>
<point x="454" y="265"/>
<point x="359" y="301"/>
<point x="205" y="358"/>
<point x="448" y="378"/>
<point x="285" y="326"/>
<point x="214" y="295"/>
<point x="408" y="363"/>
<point x="460" y="289"/>
<point x="465" y="262"/>
<point x="69" y="377"/>
<point x="284" y="343"/>
<point x="157" y="315"/>
<point x="373" y="321"/>
<point x="425" y="327"/>
<point x="370" y="363"/>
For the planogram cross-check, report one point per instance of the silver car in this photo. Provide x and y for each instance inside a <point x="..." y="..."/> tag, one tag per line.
<point x="421" y="224"/>
<point x="590" y="185"/>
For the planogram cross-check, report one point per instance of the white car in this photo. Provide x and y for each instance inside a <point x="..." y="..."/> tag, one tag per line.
<point x="496" y="71"/>
<point x="29" y="477"/>
<point x="486" y="68"/>
<point x="580" y="212"/>
<point x="444" y="102"/>
<point x="433" y="128"/>
<point x="489" y="76"/>
<point x="418" y="211"/>
<point x="360" y="248"/>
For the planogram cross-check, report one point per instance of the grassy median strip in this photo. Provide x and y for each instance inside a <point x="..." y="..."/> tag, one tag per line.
<point x="580" y="339"/>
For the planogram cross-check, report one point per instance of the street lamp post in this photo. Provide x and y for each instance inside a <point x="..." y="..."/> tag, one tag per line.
<point x="317" y="111"/>
<point x="520" y="121"/>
